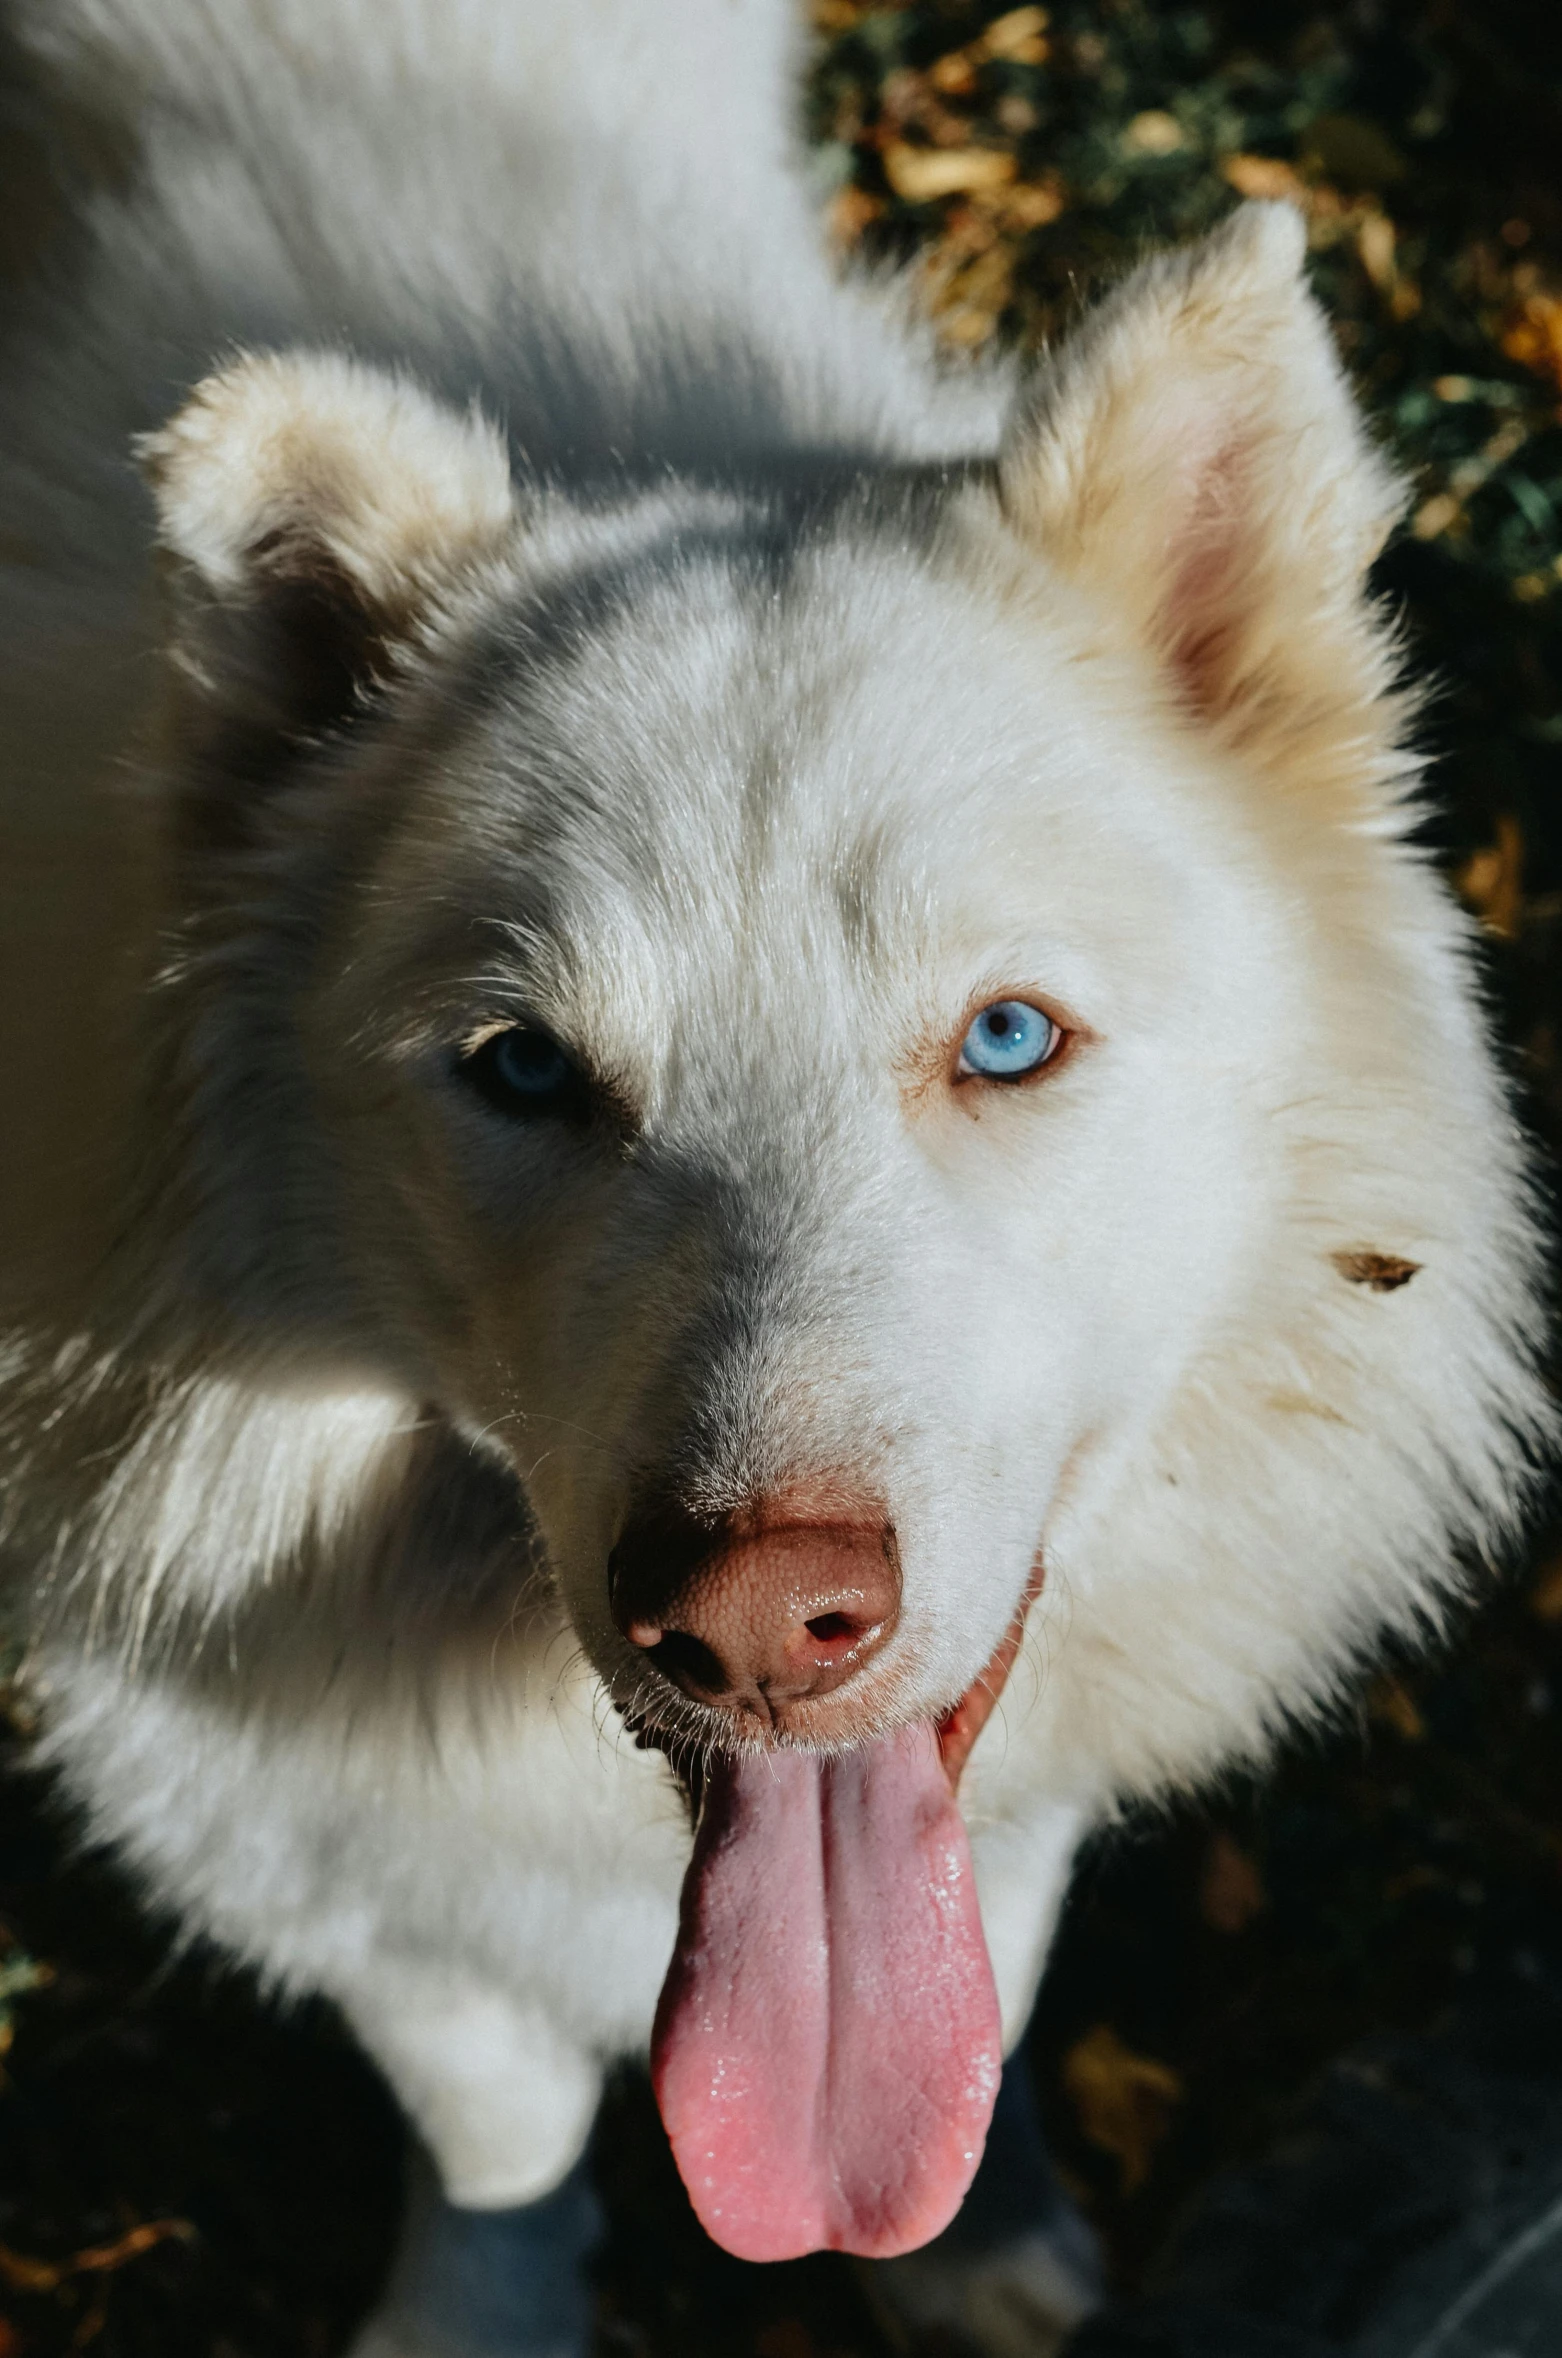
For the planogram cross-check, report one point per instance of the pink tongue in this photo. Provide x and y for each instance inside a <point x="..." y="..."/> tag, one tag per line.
<point x="827" y="2046"/>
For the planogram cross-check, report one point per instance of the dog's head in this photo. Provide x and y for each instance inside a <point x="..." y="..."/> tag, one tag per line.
<point x="824" y="1027"/>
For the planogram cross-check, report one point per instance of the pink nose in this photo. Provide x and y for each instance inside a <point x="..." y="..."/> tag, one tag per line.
<point x="760" y="1610"/>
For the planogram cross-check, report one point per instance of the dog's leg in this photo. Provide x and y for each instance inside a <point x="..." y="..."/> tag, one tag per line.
<point x="500" y="2219"/>
<point x="502" y="2096"/>
<point x="489" y="2284"/>
<point x="1018" y="2269"/>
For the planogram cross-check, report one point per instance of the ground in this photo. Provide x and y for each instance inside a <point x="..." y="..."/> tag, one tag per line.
<point x="187" y="2173"/>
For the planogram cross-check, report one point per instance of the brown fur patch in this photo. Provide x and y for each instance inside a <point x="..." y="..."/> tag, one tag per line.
<point x="1384" y="1273"/>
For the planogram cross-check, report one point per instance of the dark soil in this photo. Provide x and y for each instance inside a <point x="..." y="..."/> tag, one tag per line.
<point x="187" y="2173"/>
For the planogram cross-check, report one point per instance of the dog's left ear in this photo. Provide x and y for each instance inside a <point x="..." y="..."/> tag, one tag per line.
<point x="1195" y="461"/>
<point x="318" y="518"/>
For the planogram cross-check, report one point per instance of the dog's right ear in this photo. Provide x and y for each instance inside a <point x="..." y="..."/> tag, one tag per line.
<point x="318" y="518"/>
<point x="1194" y="461"/>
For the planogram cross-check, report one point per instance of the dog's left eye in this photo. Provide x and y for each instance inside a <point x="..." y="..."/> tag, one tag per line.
<point x="1008" y="1040"/>
<point x="524" y="1071"/>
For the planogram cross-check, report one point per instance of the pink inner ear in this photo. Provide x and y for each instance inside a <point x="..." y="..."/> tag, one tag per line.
<point x="1200" y="613"/>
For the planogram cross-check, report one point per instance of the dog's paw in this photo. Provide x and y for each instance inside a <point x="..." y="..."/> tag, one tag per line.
<point x="385" y="2339"/>
<point x="1018" y="2267"/>
<point x="490" y="2284"/>
<point x="1020" y="2300"/>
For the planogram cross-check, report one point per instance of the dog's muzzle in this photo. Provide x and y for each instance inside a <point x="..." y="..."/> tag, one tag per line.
<point x="760" y="1611"/>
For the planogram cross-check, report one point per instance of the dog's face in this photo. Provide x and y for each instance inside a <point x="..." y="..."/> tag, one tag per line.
<point x="665" y="1048"/>
<point x="798" y="1049"/>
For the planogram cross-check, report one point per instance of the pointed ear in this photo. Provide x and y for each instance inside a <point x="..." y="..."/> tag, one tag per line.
<point x="317" y="517"/>
<point x="1194" y="460"/>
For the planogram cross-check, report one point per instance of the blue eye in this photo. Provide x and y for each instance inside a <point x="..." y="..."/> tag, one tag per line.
<point x="1007" y="1041"/>
<point x="525" y="1071"/>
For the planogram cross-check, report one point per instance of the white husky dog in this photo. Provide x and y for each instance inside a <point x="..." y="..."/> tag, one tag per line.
<point x="710" y="1033"/>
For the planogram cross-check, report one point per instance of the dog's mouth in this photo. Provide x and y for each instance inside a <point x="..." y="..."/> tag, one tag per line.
<point x="828" y="2043"/>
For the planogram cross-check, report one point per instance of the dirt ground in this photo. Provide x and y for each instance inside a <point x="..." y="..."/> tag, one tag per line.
<point x="185" y="2173"/>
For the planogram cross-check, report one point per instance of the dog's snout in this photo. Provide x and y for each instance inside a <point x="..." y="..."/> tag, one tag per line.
<point x="759" y="1611"/>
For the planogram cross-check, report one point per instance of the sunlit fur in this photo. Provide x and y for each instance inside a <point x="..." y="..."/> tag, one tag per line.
<point x="547" y="593"/>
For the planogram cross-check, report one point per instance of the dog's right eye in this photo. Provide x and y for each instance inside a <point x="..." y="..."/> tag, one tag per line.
<point x="524" y="1071"/>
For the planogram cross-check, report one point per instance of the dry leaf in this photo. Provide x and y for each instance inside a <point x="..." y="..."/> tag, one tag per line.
<point x="918" y="175"/>
<point x="967" y="326"/>
<point x="954" y="76"/>
<point x="1492" y="881"/>
<point x="1375" y="244"/>
<point x="1263" y="176"/>
<point x="966" y="293"/>
<point x="851" y="211"/>
<point x="91" y="2326"/>
<point x="1231" y="1890"/>
<point x="24" y="2274"/>
<point x="1018" y="37"/>
<point x="29" y="2276"/>
<point x="1395" y="1707"/>
<point x="1434" y="515"/>
<point x="1032" y="204"/>
<point x="1468" y="476"/>
<point x="1124" y="2102"/>
<point x="1533" y="335"/>
<point x="1154" y="133"/>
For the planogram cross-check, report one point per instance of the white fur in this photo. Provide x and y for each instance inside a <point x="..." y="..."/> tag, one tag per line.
<point x="751" y="784"/>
